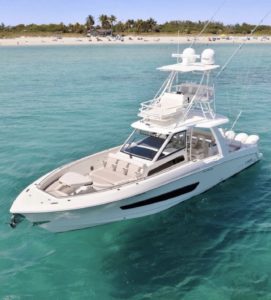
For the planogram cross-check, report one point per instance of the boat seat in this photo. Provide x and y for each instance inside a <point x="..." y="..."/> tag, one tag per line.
<point x="167" y="106"/>
<point x="122" y="167"/>
<point x="200" y="92"/>
<point x="107" y="175"/>
<point x="198" y="153"/>
<point x="199" y="147"/>
<point x="73" y="179"/>
<point x="195" y="141"/>
<point x="135" y="171"/>
<point x="106" y="178"/>
<point x="111" y="162"/>
<point x="170" y="100"/>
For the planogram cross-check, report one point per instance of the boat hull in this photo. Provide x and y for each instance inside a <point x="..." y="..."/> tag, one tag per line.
<point x="150" y="201"/>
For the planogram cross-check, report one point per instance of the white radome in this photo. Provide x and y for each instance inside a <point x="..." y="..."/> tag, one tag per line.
<point x="208" y="57"/>
<point x="189" y="56"/>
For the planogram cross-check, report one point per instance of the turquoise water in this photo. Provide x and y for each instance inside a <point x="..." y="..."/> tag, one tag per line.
<point x="61" y="103"/>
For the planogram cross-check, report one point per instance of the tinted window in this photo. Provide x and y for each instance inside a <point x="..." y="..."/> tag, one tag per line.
<point x="167" y="165"/>
<point x="143" y="144"/>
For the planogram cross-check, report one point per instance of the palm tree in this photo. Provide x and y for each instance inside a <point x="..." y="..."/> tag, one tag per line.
<point x="151" y="24"/>
<point x="78" y="28"/>
<point x="139" y="24"/>
<point x="90" y="21"/>
<point x="104" y="19"/>
<point x="112" y="19"/>
<point x="130" y="24"/>
<point x="120" y="27"/>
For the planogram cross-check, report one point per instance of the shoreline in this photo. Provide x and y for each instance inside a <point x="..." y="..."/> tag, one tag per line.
<point x="131" y="40"/>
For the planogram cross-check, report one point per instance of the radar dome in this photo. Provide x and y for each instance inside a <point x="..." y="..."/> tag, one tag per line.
<point x="189" y="56"/>
<point x="208" y="57"/>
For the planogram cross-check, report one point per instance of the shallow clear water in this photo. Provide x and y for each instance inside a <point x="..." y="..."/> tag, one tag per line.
<point x="61" y="103"/>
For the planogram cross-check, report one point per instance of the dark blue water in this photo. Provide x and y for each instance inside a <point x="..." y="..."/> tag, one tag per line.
<point x="61" y="103"/>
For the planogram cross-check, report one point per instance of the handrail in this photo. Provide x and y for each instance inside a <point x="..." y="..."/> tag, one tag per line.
<point x="193" y="100"/>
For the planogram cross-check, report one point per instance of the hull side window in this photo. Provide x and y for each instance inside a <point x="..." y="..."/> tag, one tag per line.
<point x="184" y="190"/>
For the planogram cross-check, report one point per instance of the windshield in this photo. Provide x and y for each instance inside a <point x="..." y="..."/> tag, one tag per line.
<point x="176" y="143"/>
<point x="144" y="144"/>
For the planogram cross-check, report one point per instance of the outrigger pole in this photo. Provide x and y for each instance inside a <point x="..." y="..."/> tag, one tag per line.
<point x="241" y="45"/>
<point x="207" y="24"/>
<point x="234" y="53"/>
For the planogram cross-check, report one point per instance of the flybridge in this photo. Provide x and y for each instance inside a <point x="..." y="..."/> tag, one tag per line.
<point x="177" y="101"/>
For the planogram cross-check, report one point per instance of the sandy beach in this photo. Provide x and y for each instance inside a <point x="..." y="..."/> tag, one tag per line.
<point x="38" y="41"/>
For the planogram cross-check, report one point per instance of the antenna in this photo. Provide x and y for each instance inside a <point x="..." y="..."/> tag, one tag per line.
<point x="241" y="45"/>
<point x="209" y="21"/>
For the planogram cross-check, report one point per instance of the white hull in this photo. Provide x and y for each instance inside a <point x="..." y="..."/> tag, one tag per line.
<point x="205" y="174"/>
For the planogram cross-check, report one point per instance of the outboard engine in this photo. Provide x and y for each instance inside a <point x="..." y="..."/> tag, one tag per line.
<point x="15" y="219"/>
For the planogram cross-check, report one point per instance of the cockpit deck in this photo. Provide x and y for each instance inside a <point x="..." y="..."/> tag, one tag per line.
<point x="122" y="165"/>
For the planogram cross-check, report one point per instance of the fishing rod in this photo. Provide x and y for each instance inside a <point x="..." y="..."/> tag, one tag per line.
<point x="207" y="24"/>
<point x="241" y="45"/>
<point x="203" y="29"/>
<point x="236" y="120"/>
<point x="234" y="53"/>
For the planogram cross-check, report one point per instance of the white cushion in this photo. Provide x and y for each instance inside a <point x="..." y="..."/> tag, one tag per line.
<point x="73" y="178"/>
<point x="170" y="100"/>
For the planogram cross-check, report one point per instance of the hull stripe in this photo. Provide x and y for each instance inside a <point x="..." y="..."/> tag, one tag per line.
<point x="163" y="197"/>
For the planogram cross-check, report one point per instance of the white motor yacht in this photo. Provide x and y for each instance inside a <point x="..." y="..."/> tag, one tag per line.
<point x="178" y="149"/>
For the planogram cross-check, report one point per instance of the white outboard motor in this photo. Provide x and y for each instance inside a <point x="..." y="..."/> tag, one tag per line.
<point x="230" y="134"/>
<point x="252" y="139"/>
<point x="241" y="137"/>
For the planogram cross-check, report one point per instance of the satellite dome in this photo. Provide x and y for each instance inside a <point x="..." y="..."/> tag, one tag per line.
<point x="189" y="56"/>
<point x="189" y="52"/>
<point x="208" y="57"/>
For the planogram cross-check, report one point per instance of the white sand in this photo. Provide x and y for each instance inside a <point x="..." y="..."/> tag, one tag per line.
<point x="37" y="41"/>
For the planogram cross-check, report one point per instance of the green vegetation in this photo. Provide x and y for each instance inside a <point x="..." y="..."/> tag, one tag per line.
<point x="90" y="21"/>
<point x="139" y="26"/>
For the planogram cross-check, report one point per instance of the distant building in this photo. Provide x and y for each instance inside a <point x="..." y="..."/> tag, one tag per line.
<point x="100" y="32"/>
